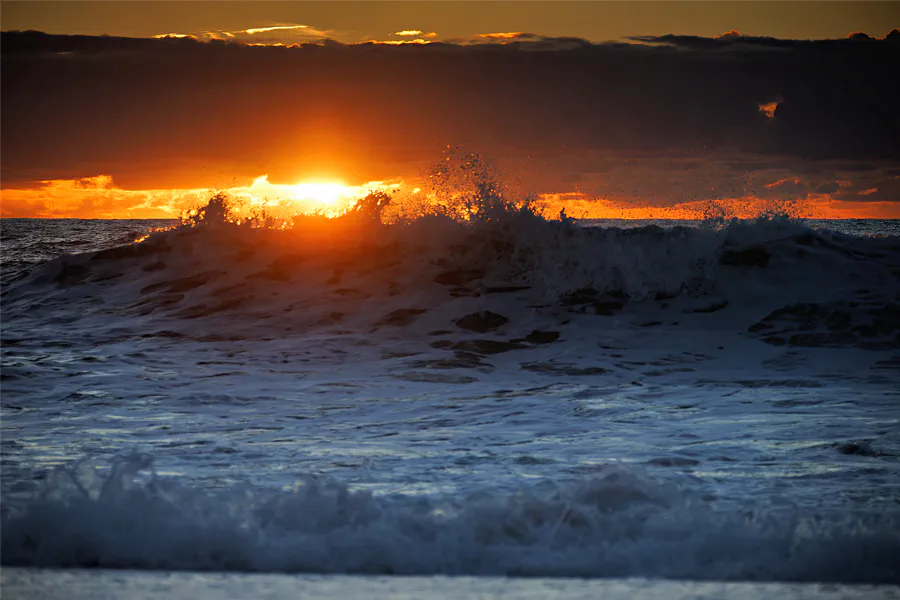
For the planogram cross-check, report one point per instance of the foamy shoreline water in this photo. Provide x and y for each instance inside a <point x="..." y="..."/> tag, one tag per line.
<point x="99" y="585"/>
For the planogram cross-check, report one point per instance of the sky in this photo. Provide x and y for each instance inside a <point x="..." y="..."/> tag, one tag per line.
<point x="358" y="21"/>
<point x="138" y="109"/>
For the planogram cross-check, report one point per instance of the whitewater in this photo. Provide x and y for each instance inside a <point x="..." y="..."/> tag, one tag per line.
<point x="505" y="395"/>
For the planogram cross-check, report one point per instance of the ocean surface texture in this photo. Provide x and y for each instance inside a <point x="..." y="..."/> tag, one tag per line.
<point x="509" y="396"/>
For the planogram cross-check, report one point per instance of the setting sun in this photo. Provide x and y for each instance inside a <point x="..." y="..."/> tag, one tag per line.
<point x="324" y="193"/>
<point x="328" y="197"/>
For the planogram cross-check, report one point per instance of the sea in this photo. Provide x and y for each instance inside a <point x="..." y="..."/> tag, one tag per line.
<point x="505" y="406"/>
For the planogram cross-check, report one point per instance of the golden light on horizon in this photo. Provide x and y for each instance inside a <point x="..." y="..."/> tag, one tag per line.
<point x="419" y="41"/>
<point x="255" y="30"/>
<point x="324" y="193"/>
<point x="330" y="197"/>
<point x="501" y="35"/>
<point x="99" y="197"/>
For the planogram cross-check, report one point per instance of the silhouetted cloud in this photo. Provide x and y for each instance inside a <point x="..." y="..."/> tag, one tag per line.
<point x="145" y="109"/>
<point x="735" y="40"/>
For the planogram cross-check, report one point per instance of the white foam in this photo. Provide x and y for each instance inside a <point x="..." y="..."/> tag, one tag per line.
<point x="100" y="584"/>
<point x="619" y="522"/>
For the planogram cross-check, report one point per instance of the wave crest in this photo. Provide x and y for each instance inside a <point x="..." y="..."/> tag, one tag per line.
<point x="617" y="523"/>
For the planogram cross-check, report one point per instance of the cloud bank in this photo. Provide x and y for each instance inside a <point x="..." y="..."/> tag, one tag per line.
<point x="662" y="119"/>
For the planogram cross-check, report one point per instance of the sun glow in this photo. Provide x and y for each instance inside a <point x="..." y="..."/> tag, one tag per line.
<point x="327" y="197"/>
<point x="99" y="197"/>
<point x="324" y="193"/>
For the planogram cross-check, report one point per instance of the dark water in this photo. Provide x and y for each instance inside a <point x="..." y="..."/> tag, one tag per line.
<point x="507" y="397"/>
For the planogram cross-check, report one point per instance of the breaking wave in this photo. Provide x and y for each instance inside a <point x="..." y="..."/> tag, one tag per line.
<point x="322" y="271"/>
<point x="466" y="230"/>
<point x="618" y="522"/>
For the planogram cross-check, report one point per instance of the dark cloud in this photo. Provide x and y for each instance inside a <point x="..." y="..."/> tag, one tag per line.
<point x="17" y="43"/>
<point x="726" y="41"/>
<point x="731" y="40"/>
<point x="143" y="109"/>
<point x="528" y="41"/>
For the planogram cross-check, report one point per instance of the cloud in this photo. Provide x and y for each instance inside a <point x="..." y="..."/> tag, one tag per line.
<point x="666" y="119"/>
<point x="274" y="35"/>
<point x="509" y="35"/>
<point x="527" y="41"/>
<point x="96" y="197"/>
<point x="273" y="28"/>
<point x="734" y="40"/>
<point x="415" y="41"/>
<point x="176" y="36"/>
<point x="420" y="37"/>
<point x="408" y="32"/>
<point x="769" y="108"/>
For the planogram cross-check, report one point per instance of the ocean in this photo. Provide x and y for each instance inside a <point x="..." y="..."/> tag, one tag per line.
<point x="509" y="406"/>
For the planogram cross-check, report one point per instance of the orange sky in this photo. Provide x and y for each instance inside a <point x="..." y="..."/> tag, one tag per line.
<point x="732" y="110"/>
<point x="362" y="20"/>
<point x="99" y="198"/>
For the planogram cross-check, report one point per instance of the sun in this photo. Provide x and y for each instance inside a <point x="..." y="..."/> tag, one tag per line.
<point x="321" y="193"/>
<point x="329" y="197"/>
<point x="326" y="193"/>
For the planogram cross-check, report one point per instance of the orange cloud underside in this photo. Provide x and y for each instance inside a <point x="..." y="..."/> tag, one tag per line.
<point x="768" y="109"/>
<point x="99" y="198"/>
<point x="502" y="35"/>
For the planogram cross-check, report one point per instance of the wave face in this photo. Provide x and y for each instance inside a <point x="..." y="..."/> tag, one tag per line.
<point x="254" y="282"/>
<point x="507" y="395"/>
